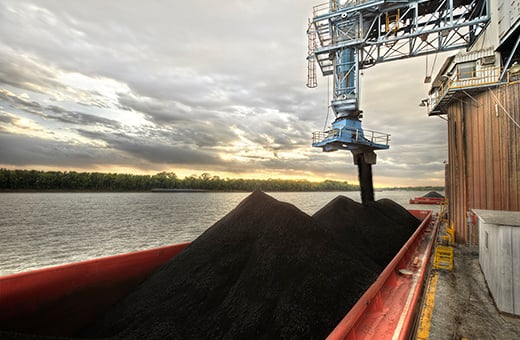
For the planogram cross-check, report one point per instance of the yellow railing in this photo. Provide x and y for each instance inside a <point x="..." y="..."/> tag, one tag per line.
<point x="449" y="238"/>
<point x="485" y="76"/>
<point x="463" y="80"/>
<point x="475" y="78"/>
<point x="513" y="75"/>
<point x="439" y="93"/>
<point x="443" y="213"/>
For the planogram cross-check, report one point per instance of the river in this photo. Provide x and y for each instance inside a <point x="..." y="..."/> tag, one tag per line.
<point x="44" y="229"/>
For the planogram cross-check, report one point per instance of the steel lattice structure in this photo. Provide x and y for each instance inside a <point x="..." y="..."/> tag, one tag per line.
<point x="348" y="36"/>
<point x="382" y="30"/>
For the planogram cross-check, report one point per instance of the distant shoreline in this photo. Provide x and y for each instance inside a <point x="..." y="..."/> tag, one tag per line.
<point x="71" y="181"/>
<point x="166" y="190"/>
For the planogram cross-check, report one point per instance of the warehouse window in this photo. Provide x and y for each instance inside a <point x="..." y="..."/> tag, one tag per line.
<point x="467" y="70"/>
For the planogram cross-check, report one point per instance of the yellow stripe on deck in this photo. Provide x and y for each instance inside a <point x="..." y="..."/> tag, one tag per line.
<point x="426" y="314"/>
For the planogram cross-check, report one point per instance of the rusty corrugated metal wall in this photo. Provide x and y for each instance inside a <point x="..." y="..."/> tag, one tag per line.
<point x="483" y="151"/>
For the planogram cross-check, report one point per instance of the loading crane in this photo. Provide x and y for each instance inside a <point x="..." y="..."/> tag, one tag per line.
<point x="348" y="36"/>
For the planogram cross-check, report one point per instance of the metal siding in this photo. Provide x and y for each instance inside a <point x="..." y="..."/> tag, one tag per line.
<point x="488" y="158"/>
<point x="481" y="157"/>
<point x="505" y="142"/>
<point x="494" y="260"/>
<point x="474" y="147"/>
<point x="497" y="161"/>
<point x="504" y="294"/>
<point x="515" y="149"/>
<point x="483" y="151"/>
<point x="516" y="270"/>
<point x="474" y="55"/>
<point x="508" y="15"/>
<point x="484" y="252"/>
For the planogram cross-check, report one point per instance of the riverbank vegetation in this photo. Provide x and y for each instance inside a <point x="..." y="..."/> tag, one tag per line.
<point x="34" y="180"/>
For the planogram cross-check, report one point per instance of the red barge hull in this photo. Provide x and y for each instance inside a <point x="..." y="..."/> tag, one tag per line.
<point x="426" y="200"/>
<point x="39" y="301"/>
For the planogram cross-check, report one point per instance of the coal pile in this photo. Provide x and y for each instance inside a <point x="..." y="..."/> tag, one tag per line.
<point x="433" y="194"/>
<point x="266" y="270"/>
<point x="377" y="229"/>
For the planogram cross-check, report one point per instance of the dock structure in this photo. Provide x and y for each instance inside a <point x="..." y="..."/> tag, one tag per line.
<point x="477" y="91"/>
<point x="346" y="37"/>
<point x="457" y="305"/>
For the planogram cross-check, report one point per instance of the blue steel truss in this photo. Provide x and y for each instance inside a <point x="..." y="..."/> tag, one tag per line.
<point x="348" y="36"/>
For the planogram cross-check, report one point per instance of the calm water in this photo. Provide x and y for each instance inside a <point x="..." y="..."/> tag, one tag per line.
<point x="43" y="229"/>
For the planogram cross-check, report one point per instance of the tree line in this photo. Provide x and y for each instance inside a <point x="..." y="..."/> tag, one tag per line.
<point x="34" y="180"/>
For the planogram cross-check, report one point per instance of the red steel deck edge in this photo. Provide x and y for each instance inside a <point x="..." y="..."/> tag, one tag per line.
<point x="388" y="307"/>
<point x="427" y="200"/>
<point x="38" y="301"/>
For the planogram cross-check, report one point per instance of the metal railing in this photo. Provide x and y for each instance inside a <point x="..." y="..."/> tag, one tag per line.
<point x="332" y="6"/>
<point x="513" y="75"/>
<point x="437" y="96"/>
<point x="320" y="9"/>
<point x="356" y="135"/>
<point x="484" y="76"/>
<point x="319" y="136"/>
<point x="464" y="80"/>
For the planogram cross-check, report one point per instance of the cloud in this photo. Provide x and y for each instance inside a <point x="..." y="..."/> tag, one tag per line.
<point x="79" y="118"/>
<point x="22" y="150"/>
<point x="153" y="151"/>
<point x="202" y="86"/>
<point x="20" y="103"/>
<point x="55" y="112"/>
<point x="24" y="72"/>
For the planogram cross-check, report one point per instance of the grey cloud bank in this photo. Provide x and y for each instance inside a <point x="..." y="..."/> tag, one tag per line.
<point x="191" y="87"/>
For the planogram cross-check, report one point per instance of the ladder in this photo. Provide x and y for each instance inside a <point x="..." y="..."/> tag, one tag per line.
<point x="392" y="22"/>
<point x="312" y="81"/>
<point x="443" y="258"/>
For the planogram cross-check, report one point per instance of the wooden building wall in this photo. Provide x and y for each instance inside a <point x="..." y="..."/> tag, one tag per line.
<point x="483" y="155"/>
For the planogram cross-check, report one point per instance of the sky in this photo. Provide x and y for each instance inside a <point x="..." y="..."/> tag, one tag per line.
<point x="194" y="87"/>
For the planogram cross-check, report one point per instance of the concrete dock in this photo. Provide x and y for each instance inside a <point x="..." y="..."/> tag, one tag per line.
<point x="457" y="304"/>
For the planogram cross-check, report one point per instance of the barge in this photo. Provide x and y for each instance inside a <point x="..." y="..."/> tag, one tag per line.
<point x="432" y="197"/>
<point x="426" y="200"/>
<point x="37" y="302"/>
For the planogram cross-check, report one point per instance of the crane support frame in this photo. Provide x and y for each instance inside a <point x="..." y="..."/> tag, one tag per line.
<point x="420" y="28"/>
